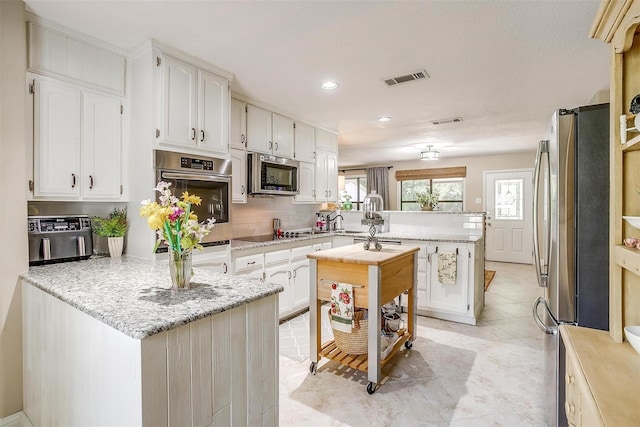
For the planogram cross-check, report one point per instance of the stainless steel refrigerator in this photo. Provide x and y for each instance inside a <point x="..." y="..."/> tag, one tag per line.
<point x="571" y="234"/>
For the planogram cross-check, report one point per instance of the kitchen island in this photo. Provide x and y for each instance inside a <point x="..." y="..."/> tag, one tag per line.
<point x="106" y="342"/>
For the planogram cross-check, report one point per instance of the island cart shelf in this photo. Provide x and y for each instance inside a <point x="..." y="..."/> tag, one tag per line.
<point x="378" y="277"/>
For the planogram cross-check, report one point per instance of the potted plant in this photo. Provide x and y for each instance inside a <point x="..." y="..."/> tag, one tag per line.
<point x="113" y="228"/>
<point x="428" y="201"/>
<point x="346" y="201"/>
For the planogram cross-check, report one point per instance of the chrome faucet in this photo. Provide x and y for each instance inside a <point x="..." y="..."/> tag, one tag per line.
<point x="330" y="220"/>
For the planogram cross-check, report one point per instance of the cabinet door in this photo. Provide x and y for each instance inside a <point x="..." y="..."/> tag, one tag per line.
<point x="304" y="142"/>
<point x="213" y="113"/>
<point x="307" y="172"/>
<point x="239" y="176"/>
<point x="178" y="103"/>
<point x="56" y="140"/>
<point x="238" y="120"/>
<point x="280" y="274"/>
<point x="259" y="129"/>
<point x="102" y="147"/>
<point x="300" y="284"/>
<point x="282" y="128"/>
<point x="320" y="179"/>
<point x="332" y="177"/>
<point x="216" y="263"/>
<point x="444" y="296"/>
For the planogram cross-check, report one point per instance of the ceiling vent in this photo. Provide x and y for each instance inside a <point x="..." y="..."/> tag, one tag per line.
<point x="446" y="121"/>
<point x="417" y="75"/>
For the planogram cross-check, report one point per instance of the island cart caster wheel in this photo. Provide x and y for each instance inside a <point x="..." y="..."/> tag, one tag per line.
<point x="313" y="368"/>
<point x="366" y="246"/>
<point x="371" y="388"/>
<point x="408" y="345"/>
<point x="378" y="246"/>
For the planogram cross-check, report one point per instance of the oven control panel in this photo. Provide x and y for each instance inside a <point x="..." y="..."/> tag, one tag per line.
<point x="57" y="224"/>
<point x="200" y="164"/>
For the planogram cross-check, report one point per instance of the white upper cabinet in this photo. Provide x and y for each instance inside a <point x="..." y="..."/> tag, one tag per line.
<point x="77" y="143"/>
<point x="195" y="108"/>
<point x="101" y="147"/>
<point x="304" y="142"/>
<point x="213" y="113"/>
<point x="56" y="135"/>
<point x="326" y="172"/>
<point x="239" y="175"/>
<point x="238" y="121"/>
<point x="269" y="132"/>
<point x="56" y="54"/>
<point x="307" y="187"/>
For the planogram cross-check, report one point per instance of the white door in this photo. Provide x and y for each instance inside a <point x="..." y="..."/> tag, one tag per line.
<point x="56" y="139"/>
<point x="451" y="297"/>
<point x="304" y="142"/>
<point x="307" y="171"/>
<point x="282" y="128"/>
<point x="239" y="176"/>
<point x="213" y="106"/>
<point x="509" y="199"/>
<point x="238" y="121"/>
<point x="102" y="147"/>
<point x="179" y="103"/>
<point x="259" y="129"/>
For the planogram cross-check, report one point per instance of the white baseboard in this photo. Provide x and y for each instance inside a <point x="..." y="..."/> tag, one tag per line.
<point x="19" y="419"/>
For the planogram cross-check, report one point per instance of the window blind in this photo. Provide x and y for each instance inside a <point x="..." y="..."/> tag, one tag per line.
<point x="433" y="173"/>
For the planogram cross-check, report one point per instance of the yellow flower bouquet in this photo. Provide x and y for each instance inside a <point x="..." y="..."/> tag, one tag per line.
<point x="177" y="226"/>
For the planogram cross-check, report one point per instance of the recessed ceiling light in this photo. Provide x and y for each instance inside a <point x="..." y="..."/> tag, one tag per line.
<point x="384" y="119"/>
<point x="329" y="85"/>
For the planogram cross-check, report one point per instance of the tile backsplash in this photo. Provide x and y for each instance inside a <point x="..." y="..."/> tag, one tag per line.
<point x="256" y="216"/>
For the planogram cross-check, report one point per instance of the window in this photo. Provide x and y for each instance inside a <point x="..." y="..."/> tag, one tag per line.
<point x="356" y="187"/>
<point x="450" y="193"/>
<point x="509" y="199"/>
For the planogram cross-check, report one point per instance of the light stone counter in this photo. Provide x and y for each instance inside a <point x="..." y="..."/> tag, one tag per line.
<point x="133" y="296"/>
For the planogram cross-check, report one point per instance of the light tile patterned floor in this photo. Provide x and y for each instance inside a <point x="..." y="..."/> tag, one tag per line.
<point x="455" y="375"/>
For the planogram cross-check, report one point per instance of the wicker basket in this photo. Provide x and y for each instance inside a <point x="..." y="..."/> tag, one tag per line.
<point x="357" y="341"/>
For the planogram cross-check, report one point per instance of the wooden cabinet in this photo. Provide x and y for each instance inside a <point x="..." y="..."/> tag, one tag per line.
<point x="269" y="132"/>
<point x="304" y="142"/>
<point x="77" y="143"/>
<point x="194" y="107"/>
<point x="238" y="123"/>
<point x="618" y="23"/>
<point x="239" y="176"/>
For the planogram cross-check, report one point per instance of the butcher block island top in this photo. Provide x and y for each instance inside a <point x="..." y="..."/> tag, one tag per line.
<point x="356" y="254"/>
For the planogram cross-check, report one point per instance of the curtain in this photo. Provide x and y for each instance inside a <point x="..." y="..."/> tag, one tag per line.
<point x="378" y="179"/>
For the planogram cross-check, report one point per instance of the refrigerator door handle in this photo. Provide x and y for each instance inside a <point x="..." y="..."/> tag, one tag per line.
<point x="549" y="330"/>
<point x="542" y="270"/>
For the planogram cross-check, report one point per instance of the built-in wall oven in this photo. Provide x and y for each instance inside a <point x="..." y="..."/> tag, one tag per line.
<point x="207" y="177"/>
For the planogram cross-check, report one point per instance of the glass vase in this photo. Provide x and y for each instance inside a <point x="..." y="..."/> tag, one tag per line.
<point x="180" y="269"/>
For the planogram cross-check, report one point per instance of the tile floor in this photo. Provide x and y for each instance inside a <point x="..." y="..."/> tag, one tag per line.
<point x="455" y="374"/>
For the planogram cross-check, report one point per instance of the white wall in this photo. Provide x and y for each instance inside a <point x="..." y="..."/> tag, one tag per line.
<point x="14" y="257"/>
<point x="475" y="168"/>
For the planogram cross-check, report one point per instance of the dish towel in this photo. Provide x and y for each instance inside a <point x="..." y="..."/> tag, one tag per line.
<point x="342" y="307"/>
<point x="447" y="268"/>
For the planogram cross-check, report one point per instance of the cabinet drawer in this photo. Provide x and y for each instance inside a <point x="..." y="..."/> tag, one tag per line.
<point x="277" y="257"/>
<point x="580" y="406"/>
<point x="249" y="262"/>
<point x="301" y="252"/>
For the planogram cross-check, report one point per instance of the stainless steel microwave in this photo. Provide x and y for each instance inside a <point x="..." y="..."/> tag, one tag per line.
<point x="273" y="175"/>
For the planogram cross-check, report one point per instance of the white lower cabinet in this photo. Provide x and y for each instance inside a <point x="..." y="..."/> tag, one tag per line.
<point x="461" y="301"/>
<point x="216" y="260"/>
<point x="286" y="267"/>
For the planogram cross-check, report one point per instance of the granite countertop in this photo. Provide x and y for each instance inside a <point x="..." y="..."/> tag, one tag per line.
<point x="417" y="237"/>
<point x="132" y="295"/>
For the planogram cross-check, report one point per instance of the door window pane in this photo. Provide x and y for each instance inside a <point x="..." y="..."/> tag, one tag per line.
<point x="509" y="199"/>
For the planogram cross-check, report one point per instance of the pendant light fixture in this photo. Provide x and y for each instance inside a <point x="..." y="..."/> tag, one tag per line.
<point x="429" y="154"/>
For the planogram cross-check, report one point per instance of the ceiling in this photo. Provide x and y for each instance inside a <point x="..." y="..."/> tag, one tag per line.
<point x="502" y="66"/>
